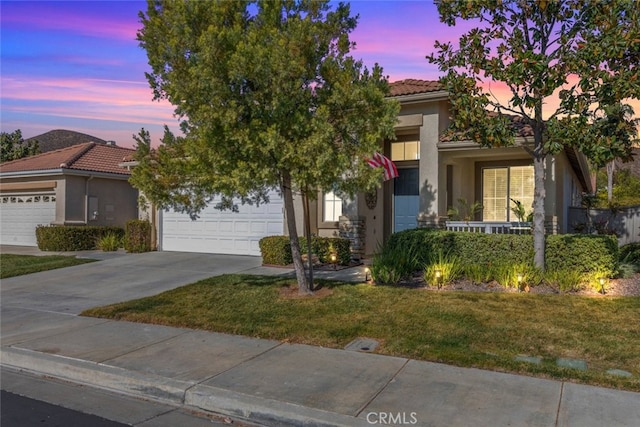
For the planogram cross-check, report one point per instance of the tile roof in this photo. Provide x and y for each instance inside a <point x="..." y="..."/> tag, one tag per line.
<point x="89" y="157"/>
<point x="413" y="87"/>
<point x="520" y="125"/>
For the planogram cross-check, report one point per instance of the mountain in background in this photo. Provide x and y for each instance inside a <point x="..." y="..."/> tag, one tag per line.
<point x="61" y="138"/>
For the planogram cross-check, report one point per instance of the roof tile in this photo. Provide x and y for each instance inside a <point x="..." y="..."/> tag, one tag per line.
<point x="414" y="86"/>
<point x="89" y="156"/>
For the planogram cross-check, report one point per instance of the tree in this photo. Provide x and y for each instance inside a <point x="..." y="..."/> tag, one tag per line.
<point x="269" y="98"/>
<point x="607" y="134"/>
<point x="14" y="147"/>
<point x="534" y="47"/>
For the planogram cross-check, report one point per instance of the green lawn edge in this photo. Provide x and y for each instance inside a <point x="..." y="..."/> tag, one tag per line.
<point x="468" y="329"/>
<point x="12" y="265"/>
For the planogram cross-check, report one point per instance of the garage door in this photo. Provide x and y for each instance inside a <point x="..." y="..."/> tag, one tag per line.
<point x="21" y="214"/>
<point x="223" y="232"/>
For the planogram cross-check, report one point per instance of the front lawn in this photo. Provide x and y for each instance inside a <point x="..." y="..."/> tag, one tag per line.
<point x="484" y="330"/>
<point x="17" y="265"/>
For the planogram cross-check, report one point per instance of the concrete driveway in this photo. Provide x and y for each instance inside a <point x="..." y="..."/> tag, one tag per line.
<point x="118" y="277"/>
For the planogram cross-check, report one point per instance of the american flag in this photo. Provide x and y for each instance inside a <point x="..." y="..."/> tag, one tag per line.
<point x="380" y="161"/>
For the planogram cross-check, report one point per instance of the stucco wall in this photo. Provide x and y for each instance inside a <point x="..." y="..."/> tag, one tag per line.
<point x="117" y="201"/>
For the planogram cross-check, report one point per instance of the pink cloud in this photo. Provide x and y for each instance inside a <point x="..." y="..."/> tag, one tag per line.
<point x="83" y="21"/>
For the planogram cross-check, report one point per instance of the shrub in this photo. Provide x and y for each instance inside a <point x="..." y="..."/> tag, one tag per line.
<point x="449" y="266"/>
<point x="630" y="254"/>
<point x="276" y="250"/>
<point x="477" y="273"/>
<point x="72" y="238"/>
<point x="565" y="280"/>
<point x="388" y="267"/>
<point x="138" y="236"/>
<point x="584" y="253"/>
<point x="110" y="242"/>
<point x="517" y="275"/>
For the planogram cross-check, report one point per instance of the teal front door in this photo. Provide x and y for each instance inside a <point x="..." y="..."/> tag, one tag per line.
<point x="406" y="199"/>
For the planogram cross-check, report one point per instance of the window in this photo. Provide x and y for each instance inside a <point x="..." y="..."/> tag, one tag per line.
<point x="332" y="207"/>
<point x="409" y="150"/>
<point x="500" y="185"/>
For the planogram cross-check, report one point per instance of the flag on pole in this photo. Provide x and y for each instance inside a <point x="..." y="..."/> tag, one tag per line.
<point x="380" y="161"/>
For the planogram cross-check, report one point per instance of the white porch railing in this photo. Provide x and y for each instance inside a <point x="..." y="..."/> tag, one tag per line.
<point x="489" y="227"/>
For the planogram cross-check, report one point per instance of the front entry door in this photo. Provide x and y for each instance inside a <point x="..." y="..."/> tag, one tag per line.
<point x="406" y="199"/>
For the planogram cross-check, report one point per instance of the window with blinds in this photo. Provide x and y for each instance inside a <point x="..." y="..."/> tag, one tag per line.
<point x="408" y="150"/>
<point x="500" y="185"/>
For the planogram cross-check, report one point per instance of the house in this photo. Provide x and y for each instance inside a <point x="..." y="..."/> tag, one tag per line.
<point x="434" y="173"/>
<point x="78" y="185"/>
<point x="62" y="138"/>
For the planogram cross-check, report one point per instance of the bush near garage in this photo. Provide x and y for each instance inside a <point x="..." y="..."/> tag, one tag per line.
<point x="276" y="250"/>
<point x="137" y="236"/>
<point x="73" y="237"/>
<point x="585" y="254"/>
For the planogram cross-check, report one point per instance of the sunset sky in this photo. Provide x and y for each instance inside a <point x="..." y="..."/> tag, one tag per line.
<point x="77" y="65"/>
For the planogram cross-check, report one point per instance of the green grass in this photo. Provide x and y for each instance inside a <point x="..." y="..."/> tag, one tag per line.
<point x="17" y="265"/>
<point x="484" y="330"/>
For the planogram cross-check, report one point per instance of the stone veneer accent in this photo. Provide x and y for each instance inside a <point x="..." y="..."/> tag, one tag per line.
<point x="353" y="228"/>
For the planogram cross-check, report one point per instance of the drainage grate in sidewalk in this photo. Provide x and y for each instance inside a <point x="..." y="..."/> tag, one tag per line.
<point x="366" y="345"/>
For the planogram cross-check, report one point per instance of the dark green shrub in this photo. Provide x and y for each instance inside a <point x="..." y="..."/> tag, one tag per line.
<point x="390" y="266"/>
<point x="276" y="250"/>
<point x="584" y="253"/>
<point x="72" y="237"/>
<point x="138" y="236"/>
<point x="630" y="253"/>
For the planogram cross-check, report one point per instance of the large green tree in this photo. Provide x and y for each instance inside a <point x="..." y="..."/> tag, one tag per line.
<point x="584" y="51"/>
<point x="13" y="146"/>
<point x="269" y="98"/>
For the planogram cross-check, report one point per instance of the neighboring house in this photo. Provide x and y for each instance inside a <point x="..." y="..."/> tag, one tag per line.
<point x="434" y="172"/>
<point x="62" y="138"/>
<point x="79" y="185"/>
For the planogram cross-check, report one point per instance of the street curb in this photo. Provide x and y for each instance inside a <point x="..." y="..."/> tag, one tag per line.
<point x="262" y="410"/>
<point x="154" y="387"/>
<point x="96" y="374"/>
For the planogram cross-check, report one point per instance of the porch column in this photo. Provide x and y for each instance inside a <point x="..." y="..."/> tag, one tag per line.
<point x="429" y="169"/>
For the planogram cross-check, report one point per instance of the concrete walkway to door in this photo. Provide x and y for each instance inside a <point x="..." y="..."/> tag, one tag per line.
<point x="266" y="381"/>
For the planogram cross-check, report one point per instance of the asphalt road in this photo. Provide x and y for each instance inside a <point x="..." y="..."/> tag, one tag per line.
<point x="21" y="411"/>
<point x="29" y="400"/>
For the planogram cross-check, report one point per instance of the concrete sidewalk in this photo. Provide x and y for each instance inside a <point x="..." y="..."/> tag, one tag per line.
<point x="266" y="381"/>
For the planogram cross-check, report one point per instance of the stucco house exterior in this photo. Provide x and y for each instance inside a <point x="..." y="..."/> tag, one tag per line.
<point x="434" y="172"/>
<point x="79" y="185"/>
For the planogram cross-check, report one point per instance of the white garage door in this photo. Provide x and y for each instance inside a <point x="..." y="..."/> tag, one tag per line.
<point x="21" y="214"/>
<point x="223" y="232"/>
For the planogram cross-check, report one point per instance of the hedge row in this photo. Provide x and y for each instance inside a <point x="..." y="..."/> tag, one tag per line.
<point x="577" y="252"/>
<point x="276" y="250"/>
<point x="138" y="236"/>
<point x="72" y="238"/>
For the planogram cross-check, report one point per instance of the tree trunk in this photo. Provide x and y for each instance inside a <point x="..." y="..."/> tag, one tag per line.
<point x="287" y="194"/>
<point x="610" y="169"/>
<point x="307" y="234"/>
<point x="539" y="191"/>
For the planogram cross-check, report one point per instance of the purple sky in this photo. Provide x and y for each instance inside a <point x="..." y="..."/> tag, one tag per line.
<point x="76" y="65"/>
